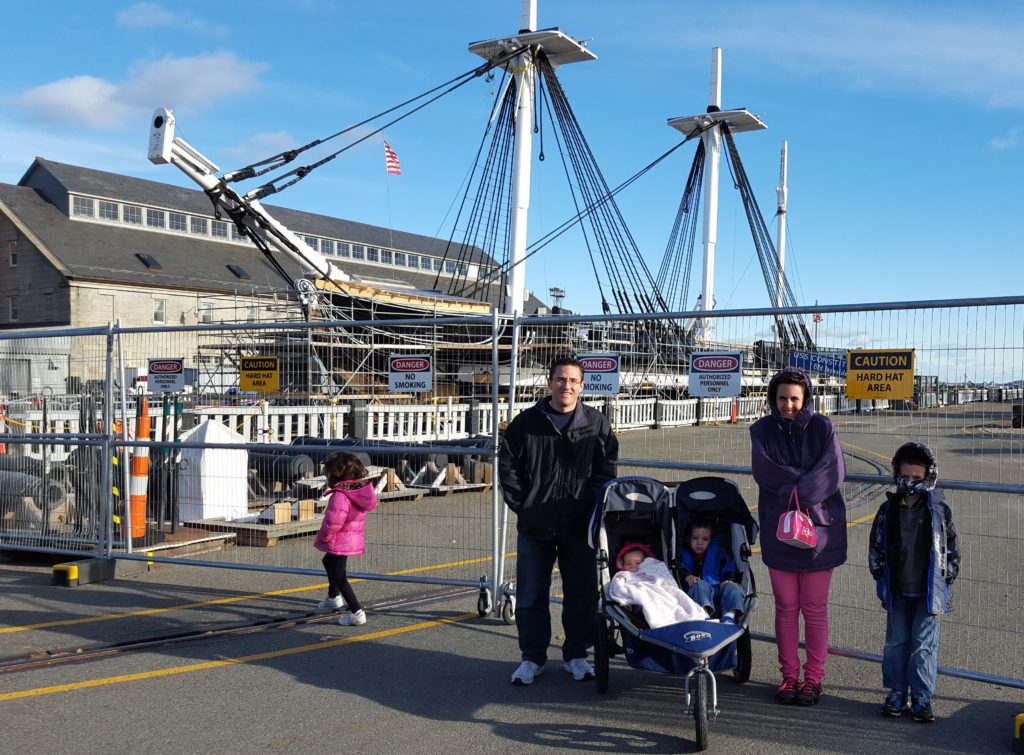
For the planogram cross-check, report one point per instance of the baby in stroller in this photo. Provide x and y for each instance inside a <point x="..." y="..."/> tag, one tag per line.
<point x="644" y="581"/>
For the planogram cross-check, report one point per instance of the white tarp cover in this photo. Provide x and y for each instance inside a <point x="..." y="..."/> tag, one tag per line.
<point x="213" y="482"/>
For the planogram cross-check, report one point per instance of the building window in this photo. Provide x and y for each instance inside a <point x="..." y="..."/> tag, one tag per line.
<point x="327" y="247"/>
<point x="437" y="264"/>
<point x="372" y="254"/>
<point x="12" y="253"/>
<point x="159" y="311"/>
<point x="239" y="272"/>
<point x="198" y="226"/>
<point x="311" y="242"/>
<point x="463" y="268"/>
<point x="385" y="256"/>
<point x="149" y="261"/>
<point x="449" y="267"/>
<point x="176" y="221"/>
<point x="154" y="218"/>
<point x="219" y="229"/>
<point x="358" y="252"/>
<point x="400" y="259"/>
<point x="109" y="211"/>
<point x="236" y="235"/>
<point x="342" y="249"/>
<point x="133" y="214"/>
<point x="205" y="312"/>
<point x="83" y="207"/>
<point x="414" y="261"/>
<point x="12" y="308"/>
<point x="250" y="314"/>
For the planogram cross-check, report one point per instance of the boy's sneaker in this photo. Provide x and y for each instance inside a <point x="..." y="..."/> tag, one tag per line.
<point x="895" y="704"/>
<point x="580" y="669"/>
<point x="330" y="604"/>
<point x="786" y="693"/>
<point x="808" y="694"/>
<point x="353" y="619"/>
<point x="526" y="673"/>
<point x="922" y="712"/>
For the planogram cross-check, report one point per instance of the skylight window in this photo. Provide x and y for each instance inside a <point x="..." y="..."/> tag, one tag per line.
<point x="149" y="261"/>
<point x="239" y="272"/>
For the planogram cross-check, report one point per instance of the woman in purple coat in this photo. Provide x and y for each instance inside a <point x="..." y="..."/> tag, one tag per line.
<point x="797" y="449"/>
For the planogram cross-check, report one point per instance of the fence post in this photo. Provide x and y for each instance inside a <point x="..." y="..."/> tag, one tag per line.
<point x="359" y="419"/>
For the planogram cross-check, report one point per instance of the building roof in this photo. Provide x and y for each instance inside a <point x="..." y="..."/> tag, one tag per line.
<point x="106" y="252"/>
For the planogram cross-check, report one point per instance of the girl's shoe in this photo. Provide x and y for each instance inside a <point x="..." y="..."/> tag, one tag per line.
<point x="354" y="619"/>
<point x="786" y="693"/>
<point x="808" y="694"/>
<point x="330" y="604"/>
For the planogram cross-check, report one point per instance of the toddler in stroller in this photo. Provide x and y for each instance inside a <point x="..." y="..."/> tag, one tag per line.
<point x="644" y="510"/>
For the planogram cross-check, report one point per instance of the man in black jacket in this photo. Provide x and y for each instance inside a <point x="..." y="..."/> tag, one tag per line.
<point x="555" y="457"/>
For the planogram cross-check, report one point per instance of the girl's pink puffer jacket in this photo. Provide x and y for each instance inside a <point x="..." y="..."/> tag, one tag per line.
<point x="345" y="519"/>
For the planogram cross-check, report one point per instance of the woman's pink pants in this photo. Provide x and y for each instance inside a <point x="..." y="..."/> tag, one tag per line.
<point x="806" y="593"/>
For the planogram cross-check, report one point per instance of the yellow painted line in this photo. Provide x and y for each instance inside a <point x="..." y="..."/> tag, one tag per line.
<point x="255" y="658"/>
<point x="221" y="601"/>
<point x="868" y="451"/>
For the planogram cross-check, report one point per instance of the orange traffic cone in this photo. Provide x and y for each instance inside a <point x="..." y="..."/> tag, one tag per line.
<point x="139" y="478"/>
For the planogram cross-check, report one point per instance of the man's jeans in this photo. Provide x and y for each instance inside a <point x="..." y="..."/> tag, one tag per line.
<point x="911" y="655"/>
<point x="578" y="569"/>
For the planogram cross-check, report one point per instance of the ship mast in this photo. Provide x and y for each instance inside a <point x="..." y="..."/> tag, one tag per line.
<point x="780" y="244"/>
<point x="710" y="123"/>
<point x="560" y="49"/>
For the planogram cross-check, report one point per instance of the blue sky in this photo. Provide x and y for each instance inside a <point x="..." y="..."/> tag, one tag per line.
<point x="905" y="121"/>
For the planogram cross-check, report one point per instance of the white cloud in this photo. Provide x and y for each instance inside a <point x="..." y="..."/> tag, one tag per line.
<point x="84" y="100"/>
<point x="1010" y="141"/>
<point x="155" y="16"/>
<point x="260" y="146"/>
<point x="971" y="52"/>
<point x="187" y="84"/>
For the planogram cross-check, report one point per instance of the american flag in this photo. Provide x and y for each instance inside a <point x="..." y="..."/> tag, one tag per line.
<point x="817" y="317"/>
<point x="391" y="161"/>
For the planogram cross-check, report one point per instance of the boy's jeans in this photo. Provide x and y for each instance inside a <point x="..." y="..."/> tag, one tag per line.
<point x="728" y="595"/>
<point x="911" y="655"/>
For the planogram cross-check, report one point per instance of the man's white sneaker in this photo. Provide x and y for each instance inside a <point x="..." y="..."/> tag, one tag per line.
<point x="330" y="604"/>
<point x="526" y="673"/>
<point x="580" y="669"/>
<point x="356" y="619"/>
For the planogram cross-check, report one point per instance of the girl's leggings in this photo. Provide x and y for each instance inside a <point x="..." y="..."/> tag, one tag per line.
<point x="806" y="593"/>
<point x="335" y="567"/>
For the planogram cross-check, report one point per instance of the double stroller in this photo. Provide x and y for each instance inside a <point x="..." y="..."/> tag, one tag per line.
<point x="644" y="510"/>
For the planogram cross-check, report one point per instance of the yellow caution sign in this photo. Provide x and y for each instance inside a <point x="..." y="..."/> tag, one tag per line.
<point x="260" y="374"/>
<point x="880" y="373"/>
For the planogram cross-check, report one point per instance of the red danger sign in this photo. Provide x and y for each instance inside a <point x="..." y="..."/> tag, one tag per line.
<point x="167" y="367"/>
<point x="717" y="363"/>
<point x="410" y="364"/>
<point x="599" y="364"/>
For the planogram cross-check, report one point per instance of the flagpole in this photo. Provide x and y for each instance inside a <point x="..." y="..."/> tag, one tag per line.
<point x="387" y="189"/>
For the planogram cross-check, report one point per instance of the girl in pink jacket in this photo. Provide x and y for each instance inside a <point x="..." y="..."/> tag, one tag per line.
<point x="341" y="534"/>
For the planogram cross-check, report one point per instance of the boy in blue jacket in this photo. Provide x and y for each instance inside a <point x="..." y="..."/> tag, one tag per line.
<point x="914" y="556"/>
<point x="708" y="572"/>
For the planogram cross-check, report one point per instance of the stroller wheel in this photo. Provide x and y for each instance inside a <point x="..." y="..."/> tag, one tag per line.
<point x="700" y="709"/>
<point x="744" y="657"/>
<point x="508" y="611"/>
<point x="602" y="653"/>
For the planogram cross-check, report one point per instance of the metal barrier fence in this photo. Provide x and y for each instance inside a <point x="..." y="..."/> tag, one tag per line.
<point x="218" y="452"/>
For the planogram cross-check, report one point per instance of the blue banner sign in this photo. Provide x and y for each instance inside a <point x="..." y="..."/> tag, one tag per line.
<point x="809" y="361"/>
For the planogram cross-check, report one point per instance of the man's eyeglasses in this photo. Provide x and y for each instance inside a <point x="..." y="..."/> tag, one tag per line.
<point x="566" y="381"/>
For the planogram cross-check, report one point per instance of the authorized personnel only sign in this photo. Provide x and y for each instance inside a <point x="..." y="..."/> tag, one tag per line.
<point x="715" y="375"/>
<point x="260" y="374"/>
<point x="600" y="374"/>
<point x="410" y="373"/>
<point x="166" y="376"/>
<point x="880" y="373"/>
